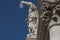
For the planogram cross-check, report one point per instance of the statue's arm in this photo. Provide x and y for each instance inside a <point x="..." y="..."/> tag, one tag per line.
<point x="27" y="3"/>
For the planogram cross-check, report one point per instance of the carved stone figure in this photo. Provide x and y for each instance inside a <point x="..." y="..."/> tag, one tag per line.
<point x="32" y="19"/>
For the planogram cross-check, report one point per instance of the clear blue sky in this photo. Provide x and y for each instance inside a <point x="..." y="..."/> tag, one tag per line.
<point x="12" y="20"/>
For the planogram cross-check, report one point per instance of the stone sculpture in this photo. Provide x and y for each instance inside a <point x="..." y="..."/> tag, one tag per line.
<point x="32" y="19"/>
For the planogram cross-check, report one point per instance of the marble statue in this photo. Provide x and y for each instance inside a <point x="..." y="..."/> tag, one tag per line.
<point x="32" y="19"/>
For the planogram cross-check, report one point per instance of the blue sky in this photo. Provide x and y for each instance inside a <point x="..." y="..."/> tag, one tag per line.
<point x="12" y="20"/>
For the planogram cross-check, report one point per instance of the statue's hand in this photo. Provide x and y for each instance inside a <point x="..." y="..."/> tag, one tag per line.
<point x="22" y="2"/>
